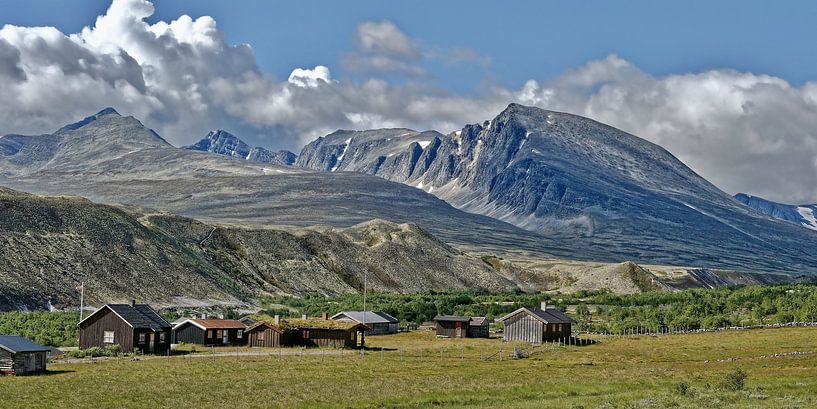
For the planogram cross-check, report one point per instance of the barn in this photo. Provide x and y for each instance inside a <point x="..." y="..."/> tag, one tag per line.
<point x="19" y="356"/>
<point x="134" y="327"/>
<point x="452" y="326"/>
<point x="535" y="326"/>
<point x="379" y="322"/>
<point x="210" y="332"/>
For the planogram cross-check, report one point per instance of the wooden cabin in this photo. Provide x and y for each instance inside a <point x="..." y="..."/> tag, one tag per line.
<point x="379" y="322"/>
<point x="452" y="326"/>
<point x="535" y="326"/>
<point x="309" y="332"/>
<point x="134" y="327"/>
<point x="210" y="332"/>
<point x="478" y="328"/>
<point x="19" y="356"/>
<point x="263" y="334"/>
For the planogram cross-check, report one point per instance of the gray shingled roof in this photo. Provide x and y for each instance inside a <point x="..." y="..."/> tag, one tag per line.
<point x="549" y="316"/>
<point x="452" y="318"/>
<point x="478" y="321"/>
<point x="369" y="317"/>
<point x="16" y="344"/>
<point x="138" y="316"/>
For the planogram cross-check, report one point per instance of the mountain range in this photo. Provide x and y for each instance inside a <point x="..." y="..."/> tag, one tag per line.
<point x="535" y="191"/>
<point x="225" y="143"/>
<point x="802" y="215"/>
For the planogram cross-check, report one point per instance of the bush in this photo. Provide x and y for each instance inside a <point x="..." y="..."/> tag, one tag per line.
<point x="96" y="352"/>
<point x="682" y="389"/>
<point x="735" y="380"/>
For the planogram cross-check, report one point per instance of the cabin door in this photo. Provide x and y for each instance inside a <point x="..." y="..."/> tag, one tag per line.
<point x="459" y="329"/>
<point x="152" y="343"/>
<point x="225" y="339"/>
<point x="30" y="364"/>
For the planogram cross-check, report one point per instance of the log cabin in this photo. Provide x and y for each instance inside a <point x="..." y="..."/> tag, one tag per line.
<point x="19" y="356"/>
<point x="535" y="326"/>
<point x="478" y="328"/>
<point x="134" y="327"/>
<point x="380" y="322"/>
<point x="210" y="332"/>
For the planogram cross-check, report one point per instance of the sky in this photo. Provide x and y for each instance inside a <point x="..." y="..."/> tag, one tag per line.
<point x="730" y="88"/>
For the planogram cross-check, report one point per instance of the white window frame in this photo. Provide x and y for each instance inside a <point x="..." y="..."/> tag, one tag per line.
<point x="108" y="337"/>
<point x="162" y="337"/>
<point x="240" y="334"/>
<point x="142" y="338"/>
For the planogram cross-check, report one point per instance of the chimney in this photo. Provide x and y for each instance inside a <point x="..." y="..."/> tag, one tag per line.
<point x="544" y="305"/>
<point x="277" y="319"/>
<point x="203" y="316"/>
<point x="303" y="317"/>
<point x="221" y="316"/>
<point x="325" y="315"/>
<point x="132" y="303"/>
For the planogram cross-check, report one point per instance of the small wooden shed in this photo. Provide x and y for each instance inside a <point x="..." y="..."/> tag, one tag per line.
<point x="478" y="327"/>
<point x="264" y="334"/>
<point x="536" y="326"/>
<point x="452" y="326"/>
<point x="210" y="332"/>
<point x="19" y="356"/>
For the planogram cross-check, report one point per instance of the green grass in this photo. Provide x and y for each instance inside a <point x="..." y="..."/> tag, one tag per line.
<point x="616" y="373"/>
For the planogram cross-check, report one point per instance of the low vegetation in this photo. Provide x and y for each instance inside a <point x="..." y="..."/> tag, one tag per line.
<point x="45" y="328"/>
<point x="736" y="369"/>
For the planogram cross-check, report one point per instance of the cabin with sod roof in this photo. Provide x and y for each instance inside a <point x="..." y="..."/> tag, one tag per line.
<point x="19" y="356"/>
<point x="210" y="332"/>
<point x="379" y="322"/>
<point x="308" y="332"/>
<point x="535" y="326"/>
<point x="134" y="327"/>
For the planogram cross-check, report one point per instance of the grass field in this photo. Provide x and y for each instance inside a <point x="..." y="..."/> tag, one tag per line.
<point x="419" y="370"/>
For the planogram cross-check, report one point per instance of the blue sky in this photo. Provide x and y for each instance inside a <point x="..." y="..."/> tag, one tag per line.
<point x="528" y="39"/>
<point x="729" y="87"/>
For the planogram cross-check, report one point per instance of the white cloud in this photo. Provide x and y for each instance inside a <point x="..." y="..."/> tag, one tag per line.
<point x="744" y="132"/>
<point x="306" y="78"/>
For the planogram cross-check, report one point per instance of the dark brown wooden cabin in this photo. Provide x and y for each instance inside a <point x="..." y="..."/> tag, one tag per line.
<point x="478" y="328"/>
<point x="210" y="332"/>
<point x="19" y="356"/>
<point x="265" y="335"/>
<point x="452" y="326"/>
<point x="311" y="332"/>
<point x="535" y="326"/>
<point x="134" y="327"/>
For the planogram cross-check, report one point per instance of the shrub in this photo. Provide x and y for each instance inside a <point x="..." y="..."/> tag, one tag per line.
<point x="735" y="380"/>
<point x="682" y="389"/>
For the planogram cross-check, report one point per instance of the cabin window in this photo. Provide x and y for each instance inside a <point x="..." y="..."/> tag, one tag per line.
<point x="210" y="334"/>
<point x="108" y="337"/>
<point x="142" y="338"/>
<point x="240" y="334"/>
<point x="161" y="337"/>
<point x="559" y="328"/>
<point x="218" y="334"/>
<point x="261" y="336"/>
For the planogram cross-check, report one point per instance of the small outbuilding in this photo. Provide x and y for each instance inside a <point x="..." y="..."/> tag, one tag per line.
<point x="535" y="326"/>
<point x="452" y="326"/>
<point x="379" y="322"/>
<point x="19" y="356"/>
<point x="134" y="327"/>
<point x="478" y="327"/>
<point x="264" y="334"/>
<point x="210" y="332"/>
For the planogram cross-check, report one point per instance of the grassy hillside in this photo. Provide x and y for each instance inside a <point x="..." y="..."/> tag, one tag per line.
<point x="419" y="370"/>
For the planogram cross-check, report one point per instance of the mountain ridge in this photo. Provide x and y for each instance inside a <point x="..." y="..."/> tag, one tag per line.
<point x="224" y="143"/>
<point x="801" y="215"/>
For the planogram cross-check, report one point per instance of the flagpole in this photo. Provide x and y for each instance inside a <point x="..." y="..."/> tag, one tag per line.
<point x="81" y="299"/>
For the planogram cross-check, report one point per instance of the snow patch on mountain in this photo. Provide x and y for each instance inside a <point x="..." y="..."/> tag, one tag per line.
<point x="808" y="215"/>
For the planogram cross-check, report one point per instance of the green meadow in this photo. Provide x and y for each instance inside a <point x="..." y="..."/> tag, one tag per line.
<point x="740" y="369"/>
